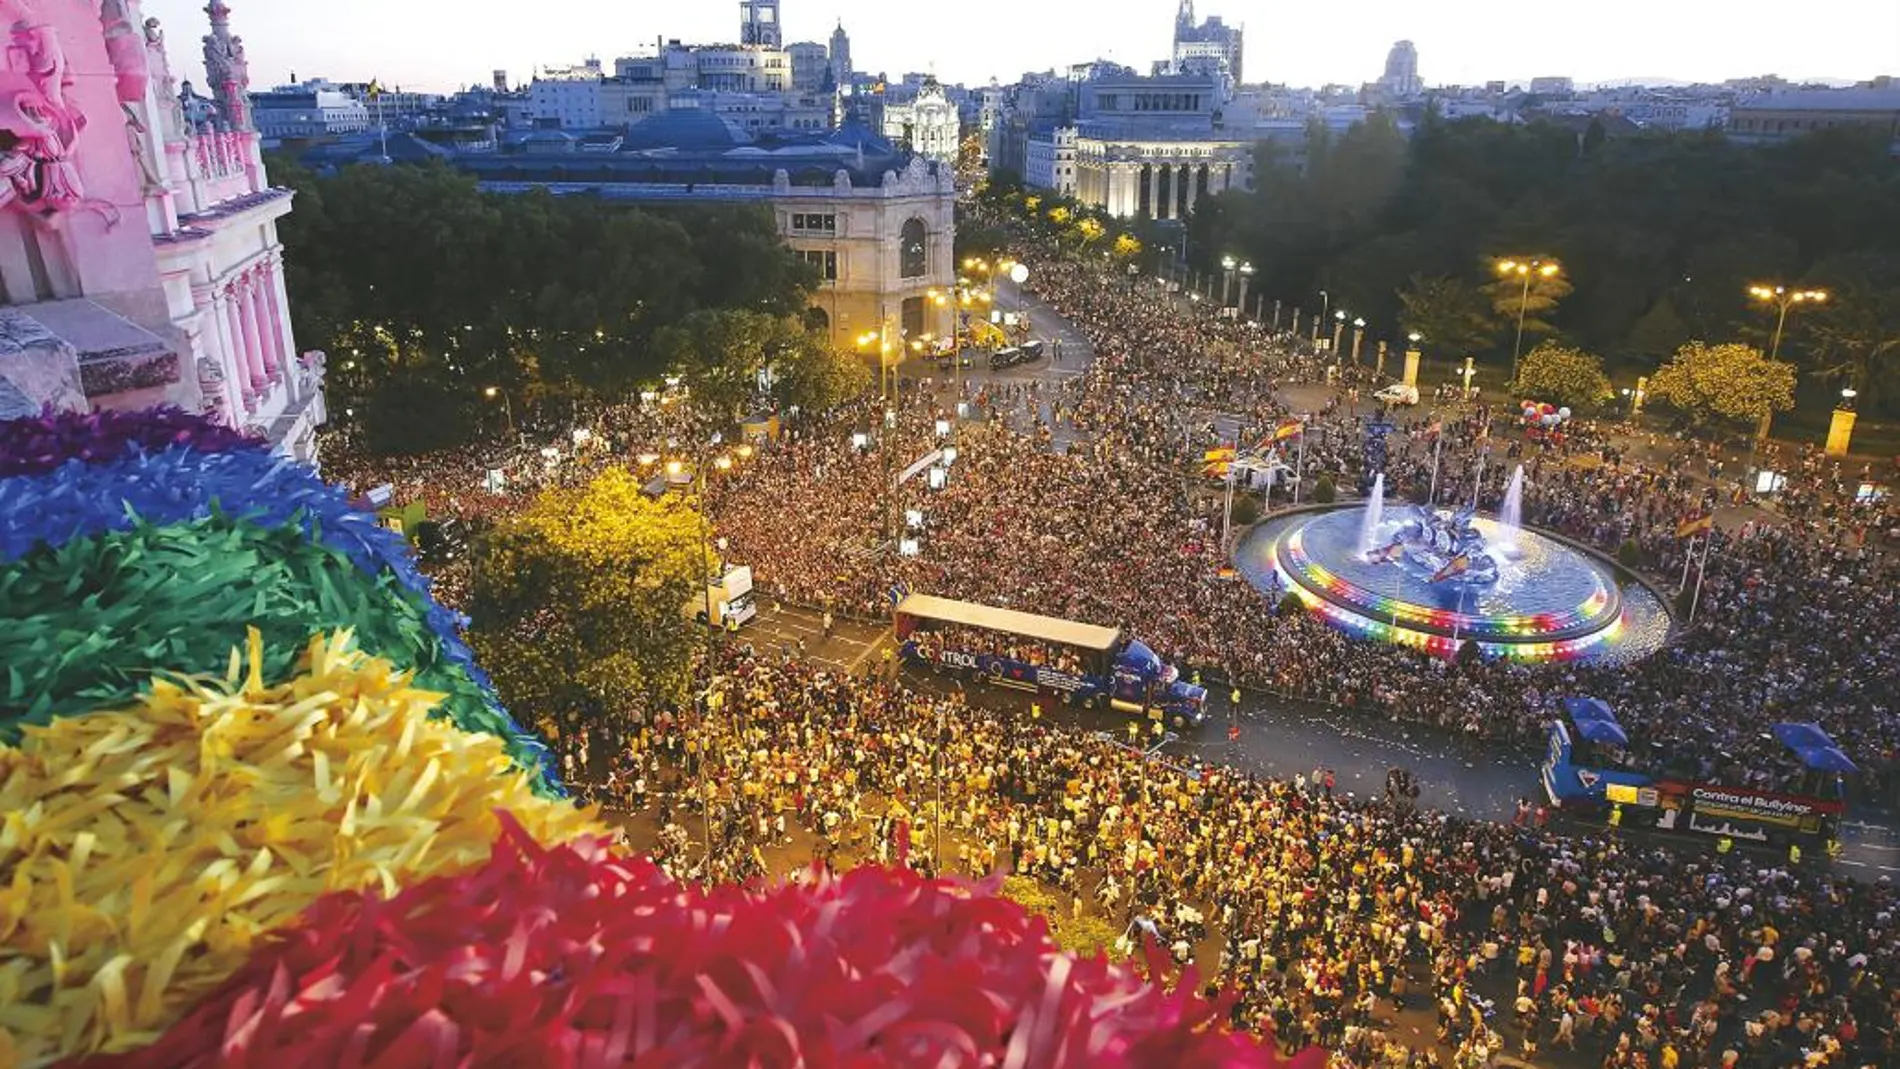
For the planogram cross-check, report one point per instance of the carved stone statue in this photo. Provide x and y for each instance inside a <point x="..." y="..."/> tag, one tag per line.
<point x="171" y="115"/>
<point x="38" y="172"/>
<point x="227" y="69"/>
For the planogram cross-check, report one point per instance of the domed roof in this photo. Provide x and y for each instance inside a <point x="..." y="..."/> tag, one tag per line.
<point x="685" y="128"/>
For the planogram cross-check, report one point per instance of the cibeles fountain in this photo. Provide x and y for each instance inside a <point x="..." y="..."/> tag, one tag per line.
<point x="1437" y="578"/>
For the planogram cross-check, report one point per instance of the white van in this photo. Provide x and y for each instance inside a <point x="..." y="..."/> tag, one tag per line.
<point x="1397" y="394"/>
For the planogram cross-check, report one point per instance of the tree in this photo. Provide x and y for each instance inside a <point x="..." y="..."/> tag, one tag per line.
<point x="1659" y="333"/>
<point x="1854" y="339"/>
<point x="1127" y="247"/>
<point x="1562" y="375"/>
<point x="1448" y="312"/>
<point x="721" y="351"/>
<point x="1538" y="301"/>
<point x="1730" y="382"/>
<point x="811" y="374"/>
<point x="577" y="601"/>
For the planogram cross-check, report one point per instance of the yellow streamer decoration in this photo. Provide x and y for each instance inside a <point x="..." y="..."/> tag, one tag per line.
<point x="144" y="850"/>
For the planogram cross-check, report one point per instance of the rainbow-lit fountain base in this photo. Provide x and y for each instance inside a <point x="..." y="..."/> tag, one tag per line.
<point x="1549" y="602"/>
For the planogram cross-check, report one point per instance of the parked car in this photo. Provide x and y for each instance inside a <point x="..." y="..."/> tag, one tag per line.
<point x="961" y="358"/>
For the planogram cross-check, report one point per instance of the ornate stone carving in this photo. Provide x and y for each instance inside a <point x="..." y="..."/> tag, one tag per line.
<point x="38" y="172"/>
<point x="171" y="114"/>
<point x="227" y="69"/>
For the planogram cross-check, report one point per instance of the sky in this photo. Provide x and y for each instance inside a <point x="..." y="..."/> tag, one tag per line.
<point x="441" y="45"/>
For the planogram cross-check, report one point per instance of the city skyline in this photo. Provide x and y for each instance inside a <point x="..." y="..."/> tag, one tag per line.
<point x="1621" y="40"/>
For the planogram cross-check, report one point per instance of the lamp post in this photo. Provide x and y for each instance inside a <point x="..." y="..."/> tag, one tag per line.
<point x="1413" y="356"/>
<point x="1246" y="276"/>
<point x="1525" y="270"/>
<point x="1228" y="265"/>
<point x="507" y="407"/>
<point x="1782" y="298"/>
<point x="1339" y="328"/>
<point x="1358" y="334"/>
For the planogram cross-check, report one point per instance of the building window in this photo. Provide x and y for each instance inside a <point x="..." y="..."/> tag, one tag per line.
<point x="825" y="261"/>
<point x="814" y="223"/>
<point x="913" y="250"/>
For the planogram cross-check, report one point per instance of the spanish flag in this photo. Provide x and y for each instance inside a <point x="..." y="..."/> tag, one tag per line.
<point x="1701" y="525"/>
<point x="375" y="89"/>
<point x="1289" y="429"/>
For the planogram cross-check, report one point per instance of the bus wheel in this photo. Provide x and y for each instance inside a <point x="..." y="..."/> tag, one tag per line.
<point x="1094" y="702"/>
<point x="1068" y="697"/>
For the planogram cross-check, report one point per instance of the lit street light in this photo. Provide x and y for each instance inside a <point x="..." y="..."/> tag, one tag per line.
<point x="1339" y="329"/>
<point x="507" y="406"/>
<point x="1783" y="299"/>
<point x="1358" y="334"/>
<point x="1527" y="270"/>
<point x="1246" y="276"/>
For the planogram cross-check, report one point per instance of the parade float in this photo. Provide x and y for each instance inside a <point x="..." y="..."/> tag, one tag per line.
<point x="261" y="808"/>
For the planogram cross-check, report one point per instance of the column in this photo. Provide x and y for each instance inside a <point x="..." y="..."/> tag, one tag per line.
<point x="252" y="347"/>
<point x="266" y="329"/>
<point x="233" y="337"/>
<point x="278" y="300"/>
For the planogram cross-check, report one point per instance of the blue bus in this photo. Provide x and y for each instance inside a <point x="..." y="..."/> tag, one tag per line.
<point x="1080" y="664"/>
<point x="1588" y="769"/>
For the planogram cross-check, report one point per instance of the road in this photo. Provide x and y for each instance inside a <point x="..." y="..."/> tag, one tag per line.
<point x="1280" y="738"/>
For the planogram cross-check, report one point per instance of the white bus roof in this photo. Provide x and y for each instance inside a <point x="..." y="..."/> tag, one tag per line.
<point x="1028" y="625"/>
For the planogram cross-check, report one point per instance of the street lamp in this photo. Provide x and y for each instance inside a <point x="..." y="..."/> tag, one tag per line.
<point x="1783" y="299"/>
<point x="1246" y="276"/>
<point x="1339" y="328"/>
<point x="1358" y="333"/>
<point x="1526" y="270"/>
<point x="1228" y="264"/>
<point x="507" y="406"/>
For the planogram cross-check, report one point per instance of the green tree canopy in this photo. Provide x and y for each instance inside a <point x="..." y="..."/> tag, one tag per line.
<point x="414" y="280"/>
<point x="578" y="602"/>
<point x="1710" y="383"/>
<point x="1562" y="375"/>
<point x="1449" y="313"/>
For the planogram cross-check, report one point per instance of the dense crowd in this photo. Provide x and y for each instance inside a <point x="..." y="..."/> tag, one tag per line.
<point x="1336" y="920"/>
<point x="1327" y="914"/>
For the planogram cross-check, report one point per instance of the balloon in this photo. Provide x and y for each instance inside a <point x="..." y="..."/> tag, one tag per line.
<point x="1552" y="419"/>
<point x="1563" y="413"/>
<point x="1547" y="408"/>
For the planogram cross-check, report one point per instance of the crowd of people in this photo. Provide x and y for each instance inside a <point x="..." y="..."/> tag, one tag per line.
<point x="1337" y="921"/>
<point x="1329" y="915"/>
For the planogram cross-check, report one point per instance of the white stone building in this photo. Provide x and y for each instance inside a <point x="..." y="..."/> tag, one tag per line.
<point x="1050" y="160"/>
<point x="928" y="123"/>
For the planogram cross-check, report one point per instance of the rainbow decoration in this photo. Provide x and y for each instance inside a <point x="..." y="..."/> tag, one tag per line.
<point x="258" y="807"/>
<point x="1549" y="636"/>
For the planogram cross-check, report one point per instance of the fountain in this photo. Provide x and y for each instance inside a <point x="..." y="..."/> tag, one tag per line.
<point x="1438" y="580"/>
<point x="1511" y="516"/>
<point x="1375" y="511"/>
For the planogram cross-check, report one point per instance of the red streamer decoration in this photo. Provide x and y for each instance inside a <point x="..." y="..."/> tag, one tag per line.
<point x="574" y="956"/>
